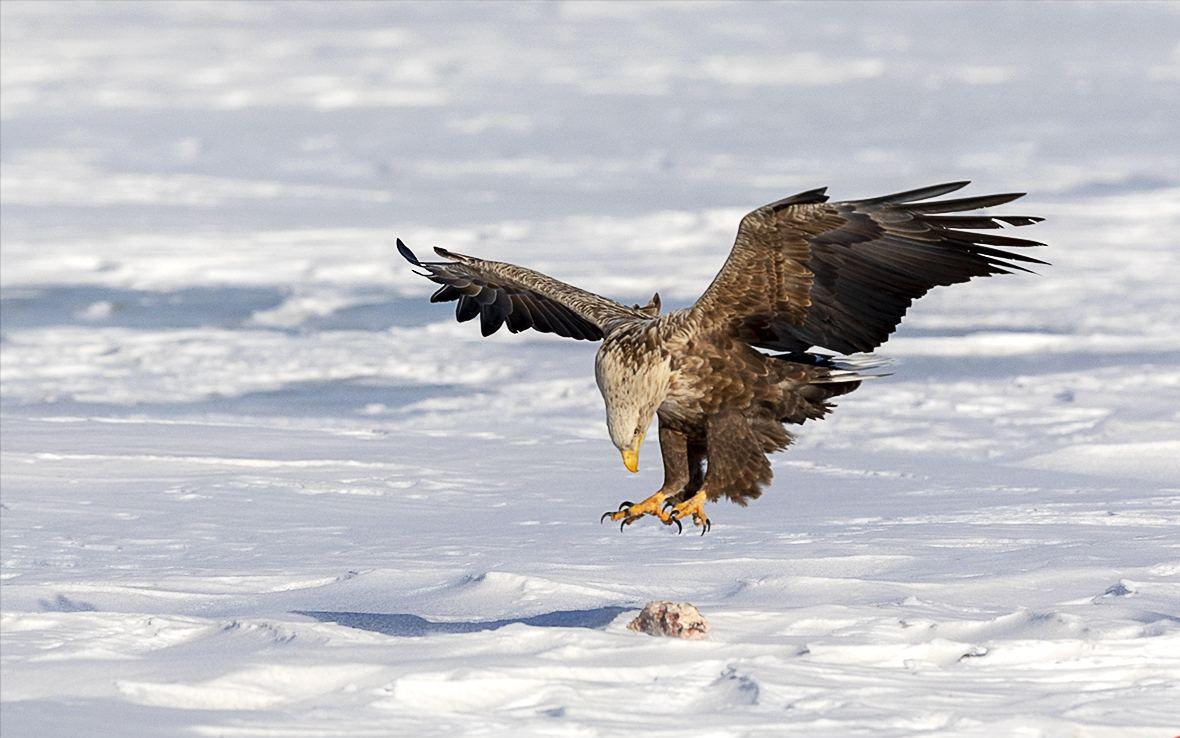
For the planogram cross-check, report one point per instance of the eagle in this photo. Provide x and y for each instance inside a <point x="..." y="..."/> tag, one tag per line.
<point x="810" y="288"/>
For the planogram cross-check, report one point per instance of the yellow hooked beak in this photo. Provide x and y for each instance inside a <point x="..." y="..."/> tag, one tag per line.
<point x="631" y="455"/>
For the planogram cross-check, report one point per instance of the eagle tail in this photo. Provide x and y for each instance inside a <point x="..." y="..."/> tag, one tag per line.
<point x="851" y="368"/>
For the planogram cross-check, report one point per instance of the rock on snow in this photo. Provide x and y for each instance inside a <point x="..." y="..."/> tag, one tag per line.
<point x="671" y="619"/>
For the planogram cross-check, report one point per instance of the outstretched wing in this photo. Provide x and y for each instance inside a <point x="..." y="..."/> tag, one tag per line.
<point x="805" y="272"/>
<point x="504" y="294"/>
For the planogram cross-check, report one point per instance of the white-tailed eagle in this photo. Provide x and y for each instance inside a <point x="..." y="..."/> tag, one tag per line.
<point x="803" y="273"/>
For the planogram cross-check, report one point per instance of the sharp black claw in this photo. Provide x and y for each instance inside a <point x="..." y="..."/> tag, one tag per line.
<point x="668" y="504"/>
<point x="605" y="515"/>
<point x="679" y="527"/>
<point x="624" y="523"/>
<point x="626" y="503"/>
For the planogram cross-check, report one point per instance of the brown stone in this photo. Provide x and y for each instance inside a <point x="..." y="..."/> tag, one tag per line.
<point x="672" y="619"/>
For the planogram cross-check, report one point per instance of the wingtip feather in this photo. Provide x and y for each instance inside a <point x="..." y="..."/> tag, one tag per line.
<point x="408" y="255"/>
<point x="921" y="193"/>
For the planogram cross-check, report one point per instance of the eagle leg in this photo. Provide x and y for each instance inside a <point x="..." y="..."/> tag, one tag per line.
<point x="694" y="506"/>
<point x="629" y="512"/>
<point x="683" y="459"/>
<point x="736" y="464"/>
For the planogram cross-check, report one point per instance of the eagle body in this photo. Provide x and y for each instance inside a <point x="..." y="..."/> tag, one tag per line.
<point x="720" y="391"/>
<point x="723" y="377"/>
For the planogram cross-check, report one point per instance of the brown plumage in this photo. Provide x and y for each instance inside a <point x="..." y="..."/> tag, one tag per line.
<point x="803" y="273"/>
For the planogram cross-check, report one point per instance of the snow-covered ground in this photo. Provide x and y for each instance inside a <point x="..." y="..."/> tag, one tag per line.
<point x="254" y="485"/>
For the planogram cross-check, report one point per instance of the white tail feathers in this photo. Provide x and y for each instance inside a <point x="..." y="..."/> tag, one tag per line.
<point x="852" y="368"/>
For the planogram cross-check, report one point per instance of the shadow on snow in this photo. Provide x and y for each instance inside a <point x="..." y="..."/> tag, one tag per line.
<point x="400" y="624"/>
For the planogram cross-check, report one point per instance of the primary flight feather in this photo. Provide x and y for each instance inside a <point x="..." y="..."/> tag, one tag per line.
<point x="803" y="273"/>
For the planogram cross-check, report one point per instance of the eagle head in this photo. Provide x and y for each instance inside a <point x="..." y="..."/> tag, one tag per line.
<point x="633" y="377"/>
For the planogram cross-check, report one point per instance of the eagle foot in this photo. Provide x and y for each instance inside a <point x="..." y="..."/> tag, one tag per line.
<point x="694" y="506"/>
<point x="629" y="512"/>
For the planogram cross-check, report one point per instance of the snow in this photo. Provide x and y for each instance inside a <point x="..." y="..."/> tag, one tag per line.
<point x="253" y="484"/>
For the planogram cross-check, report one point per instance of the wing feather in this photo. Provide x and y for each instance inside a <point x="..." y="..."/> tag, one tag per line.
<point x="805" y="272"/>
<point x="446" y="293"/>
<point x="505" y="294"/>
<point x="467" y="308"/>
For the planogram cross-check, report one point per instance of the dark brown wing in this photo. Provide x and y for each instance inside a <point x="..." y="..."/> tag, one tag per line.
<point x="504" y="294"/>
<point x="804" y="272"/>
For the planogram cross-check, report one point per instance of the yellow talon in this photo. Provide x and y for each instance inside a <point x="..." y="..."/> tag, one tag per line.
<point x="694" y="506"/>
<point x="653" y="505"/>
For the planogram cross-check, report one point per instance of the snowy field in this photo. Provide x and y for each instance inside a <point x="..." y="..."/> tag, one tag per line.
<point x="255" y="485"/>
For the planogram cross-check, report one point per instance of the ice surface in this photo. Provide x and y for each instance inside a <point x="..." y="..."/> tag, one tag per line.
<point x="255" y="485"/>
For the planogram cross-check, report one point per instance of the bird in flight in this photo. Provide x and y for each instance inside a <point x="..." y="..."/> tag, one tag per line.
<point x="723" y="377"/>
